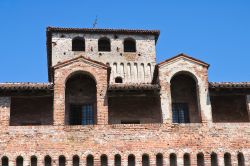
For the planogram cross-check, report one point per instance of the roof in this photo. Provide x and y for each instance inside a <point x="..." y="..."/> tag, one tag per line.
<point x="185" y="56"/>
<point x="214" y="85"/>
<point x="49" y="31"/>
<point x="25" y="86"/>
<point x="80" y="57"/>
<point x="139" y="86"/>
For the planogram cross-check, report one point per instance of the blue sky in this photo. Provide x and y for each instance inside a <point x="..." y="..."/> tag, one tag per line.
<point x="217" y="32"/>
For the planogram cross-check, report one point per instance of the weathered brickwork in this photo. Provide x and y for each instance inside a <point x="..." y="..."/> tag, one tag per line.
<point x="133" y="120"/>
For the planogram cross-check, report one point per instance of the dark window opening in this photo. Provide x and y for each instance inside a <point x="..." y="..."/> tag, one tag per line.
<point x="214" y="160"/>
<point x="129" y="45"/>
<point x="159" y="160"/>
<point x="241" y="159"/>
<point x="78" y="44"/>
<point x="5" y="161"/>
<point x="104" y="44"/>
<point x="227" y="159"/>
<point x="118" y="80"/>
<point x="130" y="122"/>
<point x="62" y="161"/>
<point x="131" y="160"/>
<point x="33" y="161"/>
<point x="186" y="158"/>
<point x="117" y="160"/>
<point x="145" y="160"/>
<point x="76" y="160"/>
<point x="173" y="159"/>
<point x="104" y="160"/>
<point x="81" y="114"/>
<point x="47" y="161"/>
<point x="19" y="161"/>
<point x="90" y="160"/>
<point x="180" y="113"/>
<point x="200" y="159"/>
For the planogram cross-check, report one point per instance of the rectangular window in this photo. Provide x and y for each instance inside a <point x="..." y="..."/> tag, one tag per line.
<point x="180" y="113"/>
<point x="81" y="114"/>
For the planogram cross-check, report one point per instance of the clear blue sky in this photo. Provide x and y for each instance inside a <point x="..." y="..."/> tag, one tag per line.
<point x="215" y="31"/>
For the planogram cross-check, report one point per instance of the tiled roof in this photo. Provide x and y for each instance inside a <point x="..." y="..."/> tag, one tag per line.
<point x="138" y="86"/>
<point x="185" y="56"/>
<point x="156" y="33"/>
<point x="229" y="84"/>
<point x="25" y="86"/>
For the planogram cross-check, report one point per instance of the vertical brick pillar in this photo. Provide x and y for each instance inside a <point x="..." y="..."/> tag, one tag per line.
<point x="204" y="102"/>
<point x="5" y="111"/>
<point x="26" y="161"/>
<point x="166" y="159"/>
<point x="221" y="159"/>
<point x="248" y="106"/>
<point x="165" y="96"/>
<point x="193" y="159"/>
<point x="207" y="158"/>
<point x="152" y="160"/>
<point x="234" y="159"/>
<point x="179" y="158"/>
<point x="59" y="104"/>
<point x="102" y="104"/>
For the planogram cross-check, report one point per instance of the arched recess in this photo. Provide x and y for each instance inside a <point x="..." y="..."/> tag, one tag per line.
<point x="76" y="160"/>
<point x="145" y="160"/>
<point x="118" y="160"/>
<point x="104" y="44"/>
<point x="80" y="99"/>
<point x="90" y="160"/>
<point x="131" y="160"/>
<point x="173" y="159"/>
<point x="47" y="161"/>
<point x="5" y="161"/>
<point x="159" y="159"/>
<point x="241" y="159"/>
<point x="184" y="95"/>
<point x="33" y="161"/>
<point x="186" y="159"/>
<point x="129" y="45"/>
<point x="78" y="44"/>
<point x="19" y="161"/>
<point x="214" y="159"/>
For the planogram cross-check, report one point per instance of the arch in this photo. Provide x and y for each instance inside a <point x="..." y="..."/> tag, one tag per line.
<point x="76" y="160"/>
<point x="80" y="99"/>
<point x="149" y="70"/>
<point x="33" y="161"/>
<point x="200" y="159"/>
<point x="118" y="160"/>
<point x="227" y="159"/>
<point x="47" y="160"/>
<point x="129" y="45"/>
<point x="145" y="160"/>
<point x="131" y="160"/>
<point x="78" y="44"/>
<point x="173" y="159"/>
<point x="159" y="159"/>
<point x="104" y="44"/>
<point x="90" y="160"/>
<point x="241" y="159"/>
<point x="5" y="161"/>
<point x="118" y="80"/>
<point x="62" y="160"/>
<point x="186" y="159"/>
<point x="19" y="161"/>
<point x="142" y="72"/>
<point x="214" y="159"/>
<point x="184" y="95"/>
<point x="104" y="160"/>
<point x="136" y="72"/>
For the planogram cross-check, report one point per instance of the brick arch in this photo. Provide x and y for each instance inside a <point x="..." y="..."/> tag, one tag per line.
<point x="187" y="72"/>
<point x="84" y="72"/>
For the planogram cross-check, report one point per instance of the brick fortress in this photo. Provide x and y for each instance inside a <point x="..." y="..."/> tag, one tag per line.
<point x="109" y="103"/>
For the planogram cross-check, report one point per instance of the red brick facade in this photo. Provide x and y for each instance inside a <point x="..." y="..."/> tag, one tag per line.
<point x="35" y="118"/>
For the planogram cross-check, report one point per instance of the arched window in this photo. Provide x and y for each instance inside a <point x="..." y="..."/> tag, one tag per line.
<point x="104" y="160"/>
<point x="214" y="159"/>
<point x="33" y="161"/>
<point x="186" y="159"/>
<point x="19" y="161"/>
<point x="78" y="44"/>
<point x="129" y="45"/>
<point x="184" y="99"/>
<point x="131" y="160"/>
<point x="80" y="100"/>
<point x="241" y="159"/>
<point x="90" y="160"/>
<point x="104" y="44"/>
<point x="118" y="160"/>
<point x="159" y="159"/>
<point x="5" y="161"/>
<point x="145" y="160"/>
<point x="227" y="159"/>
<point x="200" y="159"/>
<point x="118" y="80"/>
<point x="47" y="161"/>
<point x="62" y="161"/>
<point x="173" y="159"/>
<point x="76" y="160"/>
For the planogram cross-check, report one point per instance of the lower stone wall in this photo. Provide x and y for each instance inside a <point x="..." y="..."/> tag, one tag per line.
<point x="150" y="139"/>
